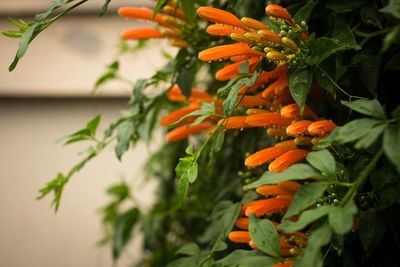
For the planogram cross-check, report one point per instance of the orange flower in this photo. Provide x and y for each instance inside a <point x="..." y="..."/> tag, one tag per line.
<point x="253" y="101"/>
<point x="252" y="111"/>
<point x="267" y="119"/>
<point x="232" y="70"/>
<point x="272" y="190"/>
<point x="173" y="10"/>
<point x="279" y="12"/>
<point x="269" y="36"/>
<point x="279" y="85"/>
<point x="178" y="114"/>
<point x="298" y="127"/>
<point x="242" y="223"/>
<point x="287" y="263"/>
<point x="226" y="51"/>
<point x="140" y="13"/>
<point x="235" y="122"/>
<point x="303" y="141"/>
<point x="175" y="94"/>
<point x="184" y="131"/>
<point x="290" y="186"/>
<point x="142" y="33"/>
<point x="222" y="30"/>
<point x="321" y="127"/>
<point x="268" y="206"/>
<point x="220" y="16"/>
<point x="268" y="154"/>
<point x="292" y="111"/>
<point x="252" y="23"/>
<point x="239" y="236"/>
<point x="265" y="77"/>
<point x="277" y="132"/>
<point x="286" y="160"/>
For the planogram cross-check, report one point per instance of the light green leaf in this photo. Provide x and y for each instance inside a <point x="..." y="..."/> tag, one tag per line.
<point x="392" y="8"/>
<point x="192" y="172"/>
<point x="367" y="140"/>
<point x="191" y="249"/>
<point x="245" y="258"/>
<point x="367" y="107"/>
<point x="264" y="234"/>
<point x="305" y="197"/>
<point x="304" y="13"/>
<point x="305" y="219"/>
<point x="298" y="171"/>
<point x="324" y="162"/>
<point x="219" y="141"/>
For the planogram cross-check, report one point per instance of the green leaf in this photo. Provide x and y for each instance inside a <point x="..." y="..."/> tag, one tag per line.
<point x="219" y="141"/>
<point x="341" y="218"/>
<point x="228" y="219"/>
<point x="393" y="8"/>
<point x="104" y="8"/>
<point x="312" y="253"/>
<point x="299" y="84"/>
<point x="350" y="132"/>
<point x="26" y="38"/>
<point x="160" y="4"/>
<point x="191" y="249"/>
<point x="367" y="107"/>
<point x="386" y="183"/>
<point x="304" y="13"/>
<point x="54" y="6"/>
<point x="367" y="140"/>
<point x="188" y="7"/>
<point x="244" y="67"/>
<point x="183" y="189"/>
<point x="124" y="134"/>
<point x="192" y="172"/>
<point x="245" y="258"/>
<point x="325" y="81"/>
<point x="323" y="47"/>
<point x="305" y="219"/>
<point x="343" y="6"/>
<point x="391" y="144"/>
<point x="110" y="74"/>
<point x="264" y="235"/>
<point x="122" y="230"/>
<point x="323" y="161"/>
<point x="56" y="185"/>
<point x="183" y="170"/>
<point x="305" y="197"/>
<point x="185" y="79"/>
<point x="298" y="171"/>
<point x="391" y="38"/>
<point x="119" y="191"/>
<point x="369" y="16"/>
<point x="186" y="261"/>
<point x="372" y="229"/>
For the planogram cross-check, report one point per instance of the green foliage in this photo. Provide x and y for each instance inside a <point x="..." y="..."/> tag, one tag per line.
<point x="122" y="230"/>
<point x="264" y="235"/>
<point x="299" y="85"/>
<point x="245" y="258"/>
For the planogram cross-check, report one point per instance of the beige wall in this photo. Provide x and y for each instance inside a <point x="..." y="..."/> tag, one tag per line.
<point x="31" y="235"/>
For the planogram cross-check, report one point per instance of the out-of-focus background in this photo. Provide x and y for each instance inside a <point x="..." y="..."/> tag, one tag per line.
<point x="48" y="96"/>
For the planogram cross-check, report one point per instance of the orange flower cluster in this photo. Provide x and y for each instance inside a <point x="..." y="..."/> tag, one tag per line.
<point x="170" y="21"/>
<point x="256" y="39"/>
<point x="185" y="129"/>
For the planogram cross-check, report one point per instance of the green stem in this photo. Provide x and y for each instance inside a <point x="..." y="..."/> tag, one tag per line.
<point x="361" y="179"/>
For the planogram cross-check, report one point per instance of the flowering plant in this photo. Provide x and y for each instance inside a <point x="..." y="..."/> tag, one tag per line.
<point x="282" y="133"/>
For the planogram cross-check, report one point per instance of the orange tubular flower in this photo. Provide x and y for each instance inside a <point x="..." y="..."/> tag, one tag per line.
<point x="273" y="190"/>
<point x="220" y="16"/>
<point x="288" y="263"/>
<point x="267" y="154"/>
<point x="239" y="236"/>
<point x="269" y="36"/>
<point x="140" y="13"/>
<point x="321" y="128"/>
<point x="279" y="12"/>
<point x="197" y="95"/>
<point x="292" y="111"/>
<point x="277" y="85"/>
<point x="253" y="101"/>
<point x="267" y="119"/>
<point x="142" y="33"/>
<point x="286" y="160"/>
<point x="226" y="51"/>
<point x="255" y="24"/>
<point x="236" y="122"/>
<point x="242" y="223"/>
<point x="267" y="206"/>
<point x="298" y="127"/>
<point x="290" y="186"/>
<point x="222" y="30"/>
<point x="232" y="70"/>
<point x="182" y="132"/>
<point x="178" y="114"/>
<point x="277" y="132"/>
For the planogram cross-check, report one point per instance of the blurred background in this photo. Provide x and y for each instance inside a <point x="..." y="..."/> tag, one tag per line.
<point x="49" y="95"/>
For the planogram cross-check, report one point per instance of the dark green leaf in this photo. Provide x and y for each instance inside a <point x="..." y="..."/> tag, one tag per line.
<point x="341" y="218"/>
<point x="325" y="81"/>
<point x="185" y="79"/>
<point x="343" y="6"/>
<point x="386" y="183"/>
<point x="299" y="84"/>
<point x="298" y="171"/>
<point x="391" y="38"/>
<point x="264" y="235"/>
<point x="306" y="197"/>
<point x="367" y="107"/>
<point x="191" y="249"/>
<point x="312" y="253"/>
<point x="342" y="39"/>
<point x="392" y="8"/>
<point x="122" y="230"/>
<point x="183" y="189"/>
<point x="369" y="15"/>
<point x="54" y="6"/>
<point x="228" y="219"/>
<point x="372" y="229"/>
<point x="92" y="125"/>
<point x="391" y="144"/>
<point x="395" y="114"/>
<point x="305" y="11"/>
<point x="305" y="219"/>
<point x="323" y="161"/>
<point x="160" y="4"/>
<point x="189" y="9"/>
<point x="120" y="191"/>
